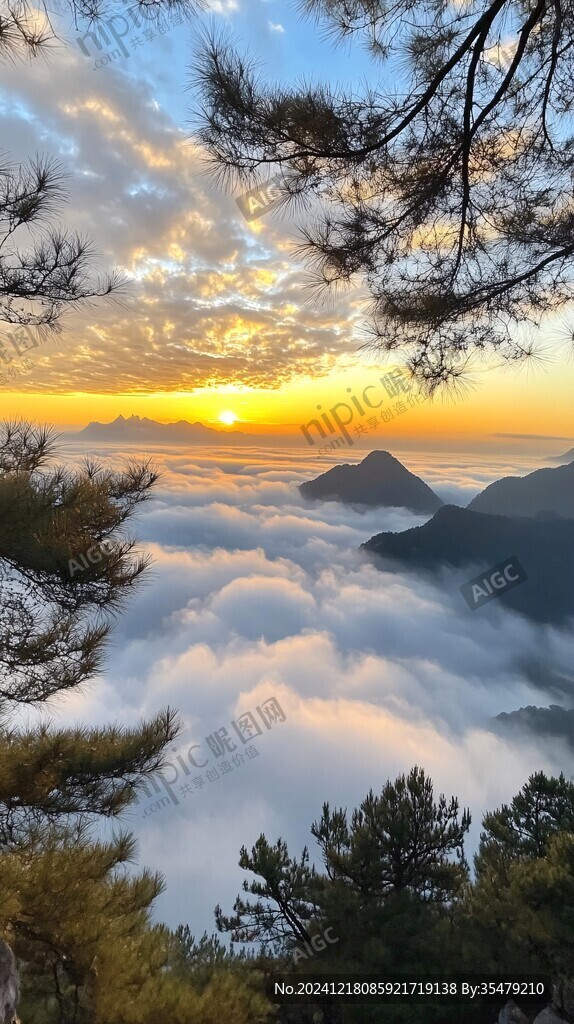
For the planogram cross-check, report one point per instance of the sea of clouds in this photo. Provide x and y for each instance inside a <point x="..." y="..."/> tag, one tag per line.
<point x="256" y="594"/>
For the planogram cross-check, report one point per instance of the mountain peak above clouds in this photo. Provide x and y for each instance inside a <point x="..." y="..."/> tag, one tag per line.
<point x="380" y="480"/>
<point x="545" y="493"/>
<point x="460" y="541"/>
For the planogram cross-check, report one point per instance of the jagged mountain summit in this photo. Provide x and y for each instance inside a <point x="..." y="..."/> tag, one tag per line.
<point x="379" y="480"/>
<point x="546" y="493"/>
<point x="140" y="428"/>
<point x="465" y="543"/>
<point x="553" y="722"/>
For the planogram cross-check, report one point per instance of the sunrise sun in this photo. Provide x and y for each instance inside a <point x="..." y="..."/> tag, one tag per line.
<point x="227" y="417"/>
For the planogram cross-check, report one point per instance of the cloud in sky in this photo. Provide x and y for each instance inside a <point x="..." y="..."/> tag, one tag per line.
<point x="536" y="437"/>
<point x="211" y="299"/>
<point x="222" y="6"/>
<point x="255" y="595"/>
<point x="215" y="302"/>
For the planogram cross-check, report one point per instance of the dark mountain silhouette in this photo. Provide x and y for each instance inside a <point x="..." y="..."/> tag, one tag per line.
<point x="567" y="457"/>
<point x="140" y="428"/>
<point x="467" y="543"/>
<point x="552" y="723"/>
<point x="379" y="479"/>
<point x="545" y="493"/>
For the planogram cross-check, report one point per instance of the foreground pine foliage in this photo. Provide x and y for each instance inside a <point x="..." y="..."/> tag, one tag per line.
<point x="78" y="919"/>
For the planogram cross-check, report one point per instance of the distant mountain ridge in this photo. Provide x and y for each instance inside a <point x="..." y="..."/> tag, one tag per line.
<point x="463" y="540"/>
<point x="140" y="428"/>
<point x="379" y="480"/>
<point x="554" y="722"/>
<point x="544" y="493"/>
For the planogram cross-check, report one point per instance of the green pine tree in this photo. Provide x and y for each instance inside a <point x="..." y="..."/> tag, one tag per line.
<point x="60" y="888"/>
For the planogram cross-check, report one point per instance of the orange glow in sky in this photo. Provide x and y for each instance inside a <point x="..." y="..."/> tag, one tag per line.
<point x="514" y="401"/>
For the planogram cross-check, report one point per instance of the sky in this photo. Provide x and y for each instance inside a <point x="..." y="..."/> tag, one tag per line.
<point x="218" y="318"/>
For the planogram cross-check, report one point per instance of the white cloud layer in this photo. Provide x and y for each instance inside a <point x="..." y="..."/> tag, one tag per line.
<point x="256" y="595"/>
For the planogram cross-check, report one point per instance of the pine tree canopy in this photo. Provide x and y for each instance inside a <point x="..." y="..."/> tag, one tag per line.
<point x="44" y="270"/>
<point x="62" y="890"/>
<point x="54" y="623"/>
<point x="445" y="180"/>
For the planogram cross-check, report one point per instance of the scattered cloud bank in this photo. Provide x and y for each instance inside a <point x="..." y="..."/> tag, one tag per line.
<point x="211" y="300"/>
